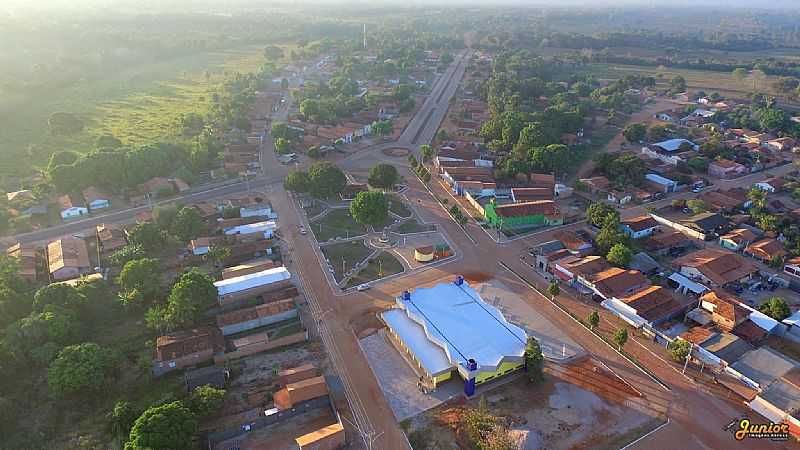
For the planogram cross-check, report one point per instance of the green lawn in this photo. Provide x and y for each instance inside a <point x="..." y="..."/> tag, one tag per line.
<point x="398" y="207"/>
<point x="138" y="104"/>
<point x="383" y="265"/>
<point x="314" y="209"/>
<point x="344" y="256"/>
<point x="413" y="226"/>
<point x="336" y="223"/>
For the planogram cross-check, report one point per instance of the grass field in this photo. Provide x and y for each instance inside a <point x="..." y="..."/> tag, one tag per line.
<point x="140" y="104"/>
<point x="381" y="266"/>
<point x="344" y="256"/>
<point x="398" y="207"/>
<point x="336" y="223"/>
<point x="722" y="82"/>
<point x="413" y="226"/>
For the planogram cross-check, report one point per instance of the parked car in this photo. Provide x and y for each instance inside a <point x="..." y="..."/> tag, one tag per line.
<point x="303" y="230"/>
<point x="362" y="287"/>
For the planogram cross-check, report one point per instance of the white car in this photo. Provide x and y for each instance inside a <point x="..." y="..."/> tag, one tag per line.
<point x="362" y="287"/>
<point x="302" y="230"/>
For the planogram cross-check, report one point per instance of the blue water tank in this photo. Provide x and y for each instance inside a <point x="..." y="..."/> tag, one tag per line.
<point x="459" y="280"/>
<point x="406" y="296"/>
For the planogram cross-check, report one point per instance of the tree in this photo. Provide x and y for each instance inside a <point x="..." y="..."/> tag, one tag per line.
<point x="370" y="208"/>
<point x="383" y="128"/>
<point x="62" y="295"/>
<point x="442" y="135"/>
<point x="279" y="130"/>
<point x="187" y="224"/>
<point x="190" y="297"/>
<point x="758" y="198"/>
<point x="164" y="215"/>
<point x="594" y="320"/>
<point x="678" y="84"/>
<point x="325" y="180"/>
<point x="122" y="418"/>
<point x="609" y="235"/>
<point x="383" y="176"/>
<point x="619" y="255"/>
<point x="164" y="427"/>
<point x="635" y="132"/>
<point x="739" y="73"/>
<point x="282" y="146"/>
<point x="679" y="350"/>
<point x="621" y="337"/>
<point x="139" y="280"/>
<point x="427" y="152"/>
<point x="696" y="205"/>
<point x="776" y="308"/>
<point x="205" y="400"/>
<point x="534" y="360"/>
<point x="81" y="368"/>
<point x="297" y="181"/>
<point x="127" y="253"/>
<point x="217" y="255"/>
<point x="553" y="289"/>
<point x="147" y="234"/>
<point x="597" y="213"/>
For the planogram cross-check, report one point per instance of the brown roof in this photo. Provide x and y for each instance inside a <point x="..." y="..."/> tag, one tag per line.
<point x="205" y="209"/>
<point x="458" y="153"/>
<point x="542" y="180"/>
<point x="697" y="335"/>
<point x="570" y="239"/>
<point x="91" y="194"/>
<point x="205" y="241"/>
<point x="665" y="240"/>
<point x="640" y="223"/>
<point x="67" y="252"/>
<point x="180" y="185"/>
<point x="740" y="236"/>
<point x="26" y="258"/>
<point x="766" y="249"/>
<point x="719" y="201"/>
<point x="182" y="343"/>
<point x="793" y="376"/>
<point x="299" y="373"/>
<point x="241" y="148"/>
<point x="599" y="183"/>
<point x="738" y="193"/>
<point x="111" y="237"/>
<point x="255" y="312"/>
<point x="728" y="306"/>
<point x="531" y="194"/>
<point x="776" y="183"/>
<point x="247" y="268"/>
<point x="719" y="266"/>
<point x="155" y="185"/>
<point x="653" y="303"/>
<point x="295" y="393"/>
<point x="539" y="207"/>
<point x="617" y="282"/>
<point x="483" y="174"/>
<point x="750" y="332"/>
<point x="144" y="216"/>
<point x="584" y="266"/>
<point x="309" y="440"/>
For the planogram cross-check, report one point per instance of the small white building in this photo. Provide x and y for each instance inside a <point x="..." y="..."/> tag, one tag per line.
<point x="261" y="210"/>
<point x="71" y="207"/>
<point x="265" y="229"/>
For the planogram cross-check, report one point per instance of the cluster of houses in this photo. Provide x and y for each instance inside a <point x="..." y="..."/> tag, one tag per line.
<point x="528" y="204"/>
<point x="701" y="285"/>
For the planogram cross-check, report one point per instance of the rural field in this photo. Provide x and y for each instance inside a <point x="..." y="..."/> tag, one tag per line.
<point x="138" y="105"/>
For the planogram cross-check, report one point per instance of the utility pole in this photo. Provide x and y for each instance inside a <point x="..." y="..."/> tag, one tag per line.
<point x="365" y="36"/>
<point x="687" y="358"/>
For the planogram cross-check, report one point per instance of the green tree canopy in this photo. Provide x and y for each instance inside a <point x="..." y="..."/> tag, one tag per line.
<point x="534" y="360"/>
<point x="679" y="350"/>
<point x="325" y="180"/>
<point x="190" y="297"/>
<point x="383" y="176"/>
<point x="594" y="319"/>
<point x="297" y="181"/>
<point x="597" y="213"/>
<point x="147" y="234"/>
<point x="164" y="427"/>
<point x="621" y="337"/>
<point x="553" y="289"/>
<point x="81" y="368"/>
<point x="635" y="132"/>
<point x="776" y="308"/>
<point x="188" y="224"/>
<point x="205" y="400"/>
<point x="619" y="255"/>
<point x="427" y="152"/>
<point x="370" y="208"/>
<point x="609" y="235"/>
<point x="139" y="280"/>
<point x="58" y="294"/>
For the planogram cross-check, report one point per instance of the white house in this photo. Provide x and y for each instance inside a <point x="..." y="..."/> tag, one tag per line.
<point x="265" y="229"/>
<point x="260" y="210"/>
<point x="770" y="185"/>
<point x="639" y="227"/>
<point x="71" y="208"/>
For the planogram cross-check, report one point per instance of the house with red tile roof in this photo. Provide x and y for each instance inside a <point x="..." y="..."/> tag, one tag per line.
<point x="715" y="267"/>
<point x="766" y="250"/>
<point x="522" y="215"/>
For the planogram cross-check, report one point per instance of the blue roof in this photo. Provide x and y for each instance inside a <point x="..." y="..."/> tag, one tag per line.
<point x="670" y="145"/>
<point x="660" y="180"/>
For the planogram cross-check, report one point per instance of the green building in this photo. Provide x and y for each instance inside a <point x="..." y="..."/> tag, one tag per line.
<point x="537" y="213"/>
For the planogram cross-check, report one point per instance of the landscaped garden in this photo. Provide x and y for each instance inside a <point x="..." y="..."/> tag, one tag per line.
<point x="344" y="256"/>
<point x="337" y="223"/>
<point x="383" y="265"/>
<point x="398" y="207"/>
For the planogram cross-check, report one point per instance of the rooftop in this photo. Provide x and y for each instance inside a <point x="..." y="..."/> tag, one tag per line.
<point x="726" y="346"/>
<point x="616" y="282"/>
<point x="67" y="252"/>
<point x="451" y="316"/>
<point x="764" y="365"/>
<point x="719" y="266"/>
<point x="543" y="207"/>
<point x="671" y="145"/>
<point x="249" y="281"/>
<point x="639" y="223"/>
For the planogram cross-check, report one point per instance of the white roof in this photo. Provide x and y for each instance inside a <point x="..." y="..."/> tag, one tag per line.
<point x="671" y="145"/>
<point x="458" y="321"/>
<point x="432" y="357"/>
<point x="249" y="281"/>
<point x="258" y="227"/>
<point x="794" y="319"/>
<point x="697" y="288"/>
<point x="656" y="178"/>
